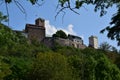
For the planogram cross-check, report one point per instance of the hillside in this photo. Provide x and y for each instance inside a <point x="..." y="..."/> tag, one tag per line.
<point x="21" y="60"/>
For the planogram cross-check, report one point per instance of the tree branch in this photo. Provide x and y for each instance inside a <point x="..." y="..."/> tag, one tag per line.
<point x="40" y="4"/>
<point x="7" y="12"/>
<point x="60" y="11"/>
<point x="66" y="6"/>
<point x="20" y="7"/>
<point x="1" y="2"/>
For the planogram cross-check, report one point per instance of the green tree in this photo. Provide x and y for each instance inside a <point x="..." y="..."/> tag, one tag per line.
<point x="3" y="18"/>
<point x="60" y="34"/>
<point x="105" y="46"/>
<point x="50" y="66"/>
<point x="105" y="70"/>
<point x="9" y="40"/>
<point x="76" y="63"/>
<point x="98" y="66"/>
<point x="19" y="67"/>
<point x="4" y="68"/>
<point x="113" y="29"/>
<point x="114" y="49"/>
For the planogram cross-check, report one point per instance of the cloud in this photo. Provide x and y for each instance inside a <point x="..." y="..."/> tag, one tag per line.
<point x="51" y="29"/>
<point x="69" y="30"/>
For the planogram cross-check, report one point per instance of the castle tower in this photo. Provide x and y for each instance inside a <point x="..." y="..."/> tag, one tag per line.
<point x="40" y="22"/>
<point x="93" y="42"/>
<point x="36" y="31"/>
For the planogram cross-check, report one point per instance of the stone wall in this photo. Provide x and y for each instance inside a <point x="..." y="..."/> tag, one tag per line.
<point x="51" y="42"/>
<point x="63" y="42"/>
<point x="37" y="34"/>
<point x="48" y="41"/>
<point x="36" y="31"/>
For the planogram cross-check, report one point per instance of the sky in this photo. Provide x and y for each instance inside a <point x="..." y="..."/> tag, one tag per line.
<point x="84" y="25"/>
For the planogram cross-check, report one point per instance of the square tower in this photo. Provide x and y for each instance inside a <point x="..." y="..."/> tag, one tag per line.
<point x="36" y="31"/>
<point x="93" y="42"/>
<point x="40" y="22"/>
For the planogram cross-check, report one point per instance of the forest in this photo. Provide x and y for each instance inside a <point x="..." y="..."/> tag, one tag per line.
<point x="21" y="60"/>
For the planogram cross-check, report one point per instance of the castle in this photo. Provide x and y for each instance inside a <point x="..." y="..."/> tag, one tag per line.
<point x="37" y="32"/>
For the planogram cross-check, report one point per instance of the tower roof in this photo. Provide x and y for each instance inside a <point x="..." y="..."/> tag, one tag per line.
<point x="73" y="36"/>
<point x="41" y="19"/>
<point x="92" y="36"/>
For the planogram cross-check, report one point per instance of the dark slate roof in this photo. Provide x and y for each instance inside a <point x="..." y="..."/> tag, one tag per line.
<point x="73" y="36"/>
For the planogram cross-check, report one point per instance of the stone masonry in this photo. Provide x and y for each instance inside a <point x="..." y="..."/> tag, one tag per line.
<point x="36" y="32"/>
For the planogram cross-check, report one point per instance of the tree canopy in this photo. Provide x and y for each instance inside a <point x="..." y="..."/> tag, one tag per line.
<point x="60" y="34"/>
<point x="20" y="60"/>
<point x="3" y="18"/>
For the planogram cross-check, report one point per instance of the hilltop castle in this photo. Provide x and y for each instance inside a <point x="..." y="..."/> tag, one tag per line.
<point x="37" y="32"/>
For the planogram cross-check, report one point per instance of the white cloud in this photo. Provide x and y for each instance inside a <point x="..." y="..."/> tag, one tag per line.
<point x="51" y="29"/>
<point x="69" y="30"/>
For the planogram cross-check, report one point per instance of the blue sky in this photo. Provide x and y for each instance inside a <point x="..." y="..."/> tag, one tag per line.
<point x="86" y="24"/>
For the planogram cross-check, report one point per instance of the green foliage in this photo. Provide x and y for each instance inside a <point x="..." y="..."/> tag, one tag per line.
<point x="9" y="41"/>
<point x="108" y="70"/>
<point x="62" y="2"/>
<point x="50" y="66"/>
<point x="3" y="18"/>
<point x="102" y="68"/>
<point x="8" y="1"/>
<point x="76" y="64"/>
<point x="78" y="4"/>
<point x="31" y="1"/>
<point x="4" y="68"/>
<point x="101" y="5"/>
<point x="114" y="30"/>
<point x="60" y="34"/>
<point x="19" y="67"/>
<point x="25" y="61"/>
<point x="105" y="46"/>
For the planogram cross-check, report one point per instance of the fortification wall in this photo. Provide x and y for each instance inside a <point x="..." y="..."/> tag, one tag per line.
<point x="51" y="42"/>
<point x="36" y="34"/>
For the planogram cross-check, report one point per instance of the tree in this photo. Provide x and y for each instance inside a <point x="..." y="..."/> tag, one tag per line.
<point x="31" y="1"/>
<point x="75" y="62"/>
<point x="3" y="18"/>
<point x="105" y="46"/>
<point x="4" y="68"/>
<point x="50" y="66"/>
<point x="114" y="49"/>
<point x="60" y="34"/>
<point x="105" y="70"/>
<point x="98" y="66"/>
<point x="114" y="28"/>
<point x="19" y="67"/>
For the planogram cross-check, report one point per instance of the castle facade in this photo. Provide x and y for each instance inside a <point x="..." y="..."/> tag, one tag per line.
<point x="37" y="32"/>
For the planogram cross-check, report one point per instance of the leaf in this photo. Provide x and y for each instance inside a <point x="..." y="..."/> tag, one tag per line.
<point x="102" y="31"/>
<point x="33" y="1"/>
<point x="62" y="2"/>
<point x="108" y="28"/>
<point x="8" y="1"/>
<point x="78" y="4"/>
